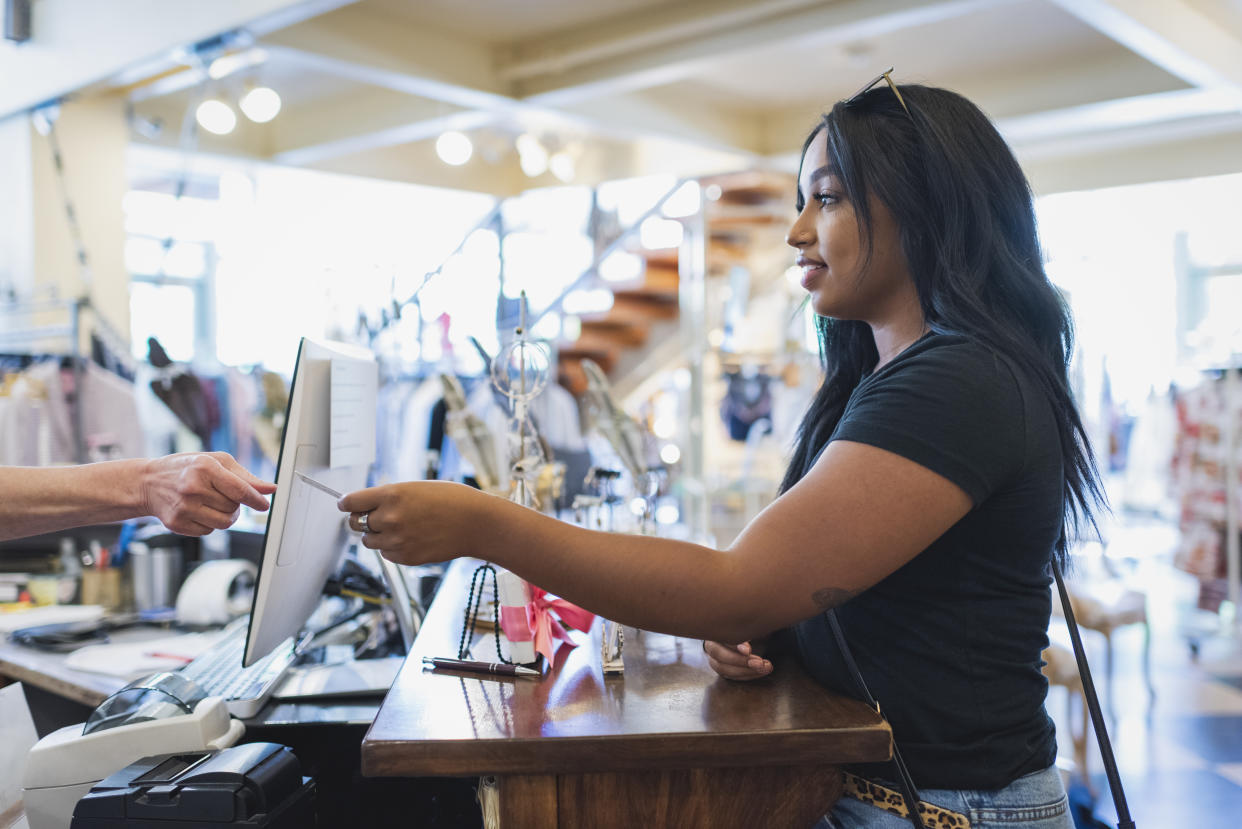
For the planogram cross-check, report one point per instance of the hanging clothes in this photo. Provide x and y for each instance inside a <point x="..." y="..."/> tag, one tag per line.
<point x="410" y="463"/>
<point x="109" y="413"/>
<point x="747" y="401"/>
<point x="1201" y="462"/>
<point x="25" y="429"/>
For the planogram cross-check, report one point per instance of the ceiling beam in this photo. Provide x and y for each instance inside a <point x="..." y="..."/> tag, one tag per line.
<point x="376" y="50"/>
<point x="1171" y="34"/>
<point x="365" y="137"/>
<point x="380" y="51"/>
<point x="666" y="62"/>
<point x="1072" y="123"/>
<point x="559" y="52"/>
<point x="1224" y="125"/>
<point x="391" y="54"/>
<point x="78" y="45"/>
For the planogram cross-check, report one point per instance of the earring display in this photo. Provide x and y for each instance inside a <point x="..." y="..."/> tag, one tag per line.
<point x="533" y="624"/>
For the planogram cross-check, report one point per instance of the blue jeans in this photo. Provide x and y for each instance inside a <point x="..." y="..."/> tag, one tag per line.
<point x="1034" y="801"/>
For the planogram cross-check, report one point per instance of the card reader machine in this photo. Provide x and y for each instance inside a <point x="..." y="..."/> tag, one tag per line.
<point x="256" y="784"/>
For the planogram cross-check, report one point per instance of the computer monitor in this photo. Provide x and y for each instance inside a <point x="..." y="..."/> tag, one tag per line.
<point x="329" y="436"/>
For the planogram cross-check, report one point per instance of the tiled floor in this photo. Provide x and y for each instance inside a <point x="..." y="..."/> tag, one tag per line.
<point x="1180" y="758"/>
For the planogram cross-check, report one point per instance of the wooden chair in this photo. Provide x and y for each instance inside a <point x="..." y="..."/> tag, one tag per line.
<point x="1105" y="607"/>
<point x="1061" y="669"/>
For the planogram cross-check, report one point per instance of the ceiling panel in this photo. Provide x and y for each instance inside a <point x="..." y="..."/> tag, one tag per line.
<point x="1010" y="39"/>
<point x="504" y="21"/>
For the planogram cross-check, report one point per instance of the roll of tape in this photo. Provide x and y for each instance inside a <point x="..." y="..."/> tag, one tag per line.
<point x="216" y="592"/>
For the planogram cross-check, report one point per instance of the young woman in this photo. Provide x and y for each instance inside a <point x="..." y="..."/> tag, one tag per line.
<point x="938" y="471"/>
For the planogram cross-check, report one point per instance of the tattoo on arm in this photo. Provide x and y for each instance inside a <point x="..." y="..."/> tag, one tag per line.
<point x="830" y="597"/>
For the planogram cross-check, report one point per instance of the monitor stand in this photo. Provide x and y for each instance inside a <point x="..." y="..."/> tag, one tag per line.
<point x="400" y="600"/>
<point x="358" y="677"/>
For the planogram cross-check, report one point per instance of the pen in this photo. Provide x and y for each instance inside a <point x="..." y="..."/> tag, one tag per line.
<point x="322" y="487"/>
<point x="479" y="667"/>
<point x="179" y="657"/>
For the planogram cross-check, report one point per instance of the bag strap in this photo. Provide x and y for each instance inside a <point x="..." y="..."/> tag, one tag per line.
<point x="908" y="790"/>
<point x="1093" y="705"/>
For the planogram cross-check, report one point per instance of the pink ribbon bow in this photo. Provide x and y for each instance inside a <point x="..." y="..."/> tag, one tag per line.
<point x="535" y="621"/>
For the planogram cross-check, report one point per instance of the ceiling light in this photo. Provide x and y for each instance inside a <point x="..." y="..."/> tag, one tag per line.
<point x="454" y="148"/>
<point x="260" y="104"/>
<point x="531" y="155"/>
<point x="562" y="166"/>
<point x="216" y="116"/>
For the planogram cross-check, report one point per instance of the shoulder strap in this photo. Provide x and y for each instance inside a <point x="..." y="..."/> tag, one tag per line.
<point x="1093" y="705"/>
<point x="908" y="791"/>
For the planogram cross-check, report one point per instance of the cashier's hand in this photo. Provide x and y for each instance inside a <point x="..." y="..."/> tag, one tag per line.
<point x="197" y="492"/>
<point x="738" y="662"/>
<point x="418" y="522"/>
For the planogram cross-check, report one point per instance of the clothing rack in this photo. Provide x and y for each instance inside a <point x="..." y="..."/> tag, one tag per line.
<point x="1233" y="556"/>
<point x="31" y="339"/>
<point x="59" y="338"/>
<point x="1229" y="376"/>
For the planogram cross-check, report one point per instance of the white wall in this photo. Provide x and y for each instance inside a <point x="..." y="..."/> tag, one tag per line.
<point x="16" y="222"/>
<point x="93" y="138"/>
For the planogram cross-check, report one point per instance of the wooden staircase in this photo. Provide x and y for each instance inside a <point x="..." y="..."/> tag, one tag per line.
<point x="637" y="307"/>
<point x="642" y="322"/>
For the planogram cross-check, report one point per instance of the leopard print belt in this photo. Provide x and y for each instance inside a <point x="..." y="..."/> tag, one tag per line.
<point x="891" y="801"/>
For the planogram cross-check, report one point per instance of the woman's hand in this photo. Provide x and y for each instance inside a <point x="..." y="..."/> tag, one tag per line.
<point x="195" y="493"/>
<point x="738" y="662"/>
<point x="420" y="522"/>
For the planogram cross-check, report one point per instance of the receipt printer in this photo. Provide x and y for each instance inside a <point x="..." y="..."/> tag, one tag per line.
<point x="256" y="784"/>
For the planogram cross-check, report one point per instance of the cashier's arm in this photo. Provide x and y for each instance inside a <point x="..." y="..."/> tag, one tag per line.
<point x="191" y="493"/>
<point x="858" y="515"/>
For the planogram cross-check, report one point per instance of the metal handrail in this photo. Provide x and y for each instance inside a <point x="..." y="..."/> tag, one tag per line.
<point x="483" y="223"/>
<point x="611" y="248"/>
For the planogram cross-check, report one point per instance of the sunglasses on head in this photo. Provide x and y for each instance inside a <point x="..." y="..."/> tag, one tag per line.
<point x="885" y="76"/>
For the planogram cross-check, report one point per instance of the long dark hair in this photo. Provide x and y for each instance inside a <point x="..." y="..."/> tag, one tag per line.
<point x="967" y="229"/>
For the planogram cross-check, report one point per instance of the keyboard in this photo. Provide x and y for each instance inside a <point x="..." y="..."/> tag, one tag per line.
<point x="219" y="672"/>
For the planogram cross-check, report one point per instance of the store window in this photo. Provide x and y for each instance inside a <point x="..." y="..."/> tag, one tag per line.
<point x="1152" y="272"/>
<point x="250" y="259"/>
<point x="170" y="256"/>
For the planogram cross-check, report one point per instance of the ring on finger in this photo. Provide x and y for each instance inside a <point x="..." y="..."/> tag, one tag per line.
<point x="364" y="522"/>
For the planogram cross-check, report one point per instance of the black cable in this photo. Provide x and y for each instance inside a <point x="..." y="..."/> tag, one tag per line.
<point x="908" y="789"/>
<point x="1093" y="705"/>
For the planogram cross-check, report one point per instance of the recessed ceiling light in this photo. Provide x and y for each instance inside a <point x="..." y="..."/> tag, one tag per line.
<point x="260" y="104"/>
<point x="562" y="166"/>
<point x="216" y="116"/>
<point x="454" y="148"/>
<point x="532" y="155"/>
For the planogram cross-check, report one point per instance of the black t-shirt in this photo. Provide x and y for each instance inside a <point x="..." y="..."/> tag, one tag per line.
<point x="950" y="643"/>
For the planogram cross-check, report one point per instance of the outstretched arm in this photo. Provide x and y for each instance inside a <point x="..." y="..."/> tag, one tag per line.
<point x="857" y="516"/>
<point x="192" y="494"/>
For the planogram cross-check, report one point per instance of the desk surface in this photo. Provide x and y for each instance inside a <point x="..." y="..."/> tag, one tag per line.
<point x="47" y="670"/>
<point x="668" y="710"/>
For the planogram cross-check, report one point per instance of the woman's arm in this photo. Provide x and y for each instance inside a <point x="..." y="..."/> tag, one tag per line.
<point x="857" y="516"/>
<point x="191" y="493"/>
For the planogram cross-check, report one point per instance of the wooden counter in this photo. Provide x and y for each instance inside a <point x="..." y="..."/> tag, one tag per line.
<point x="667" y="743"/>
